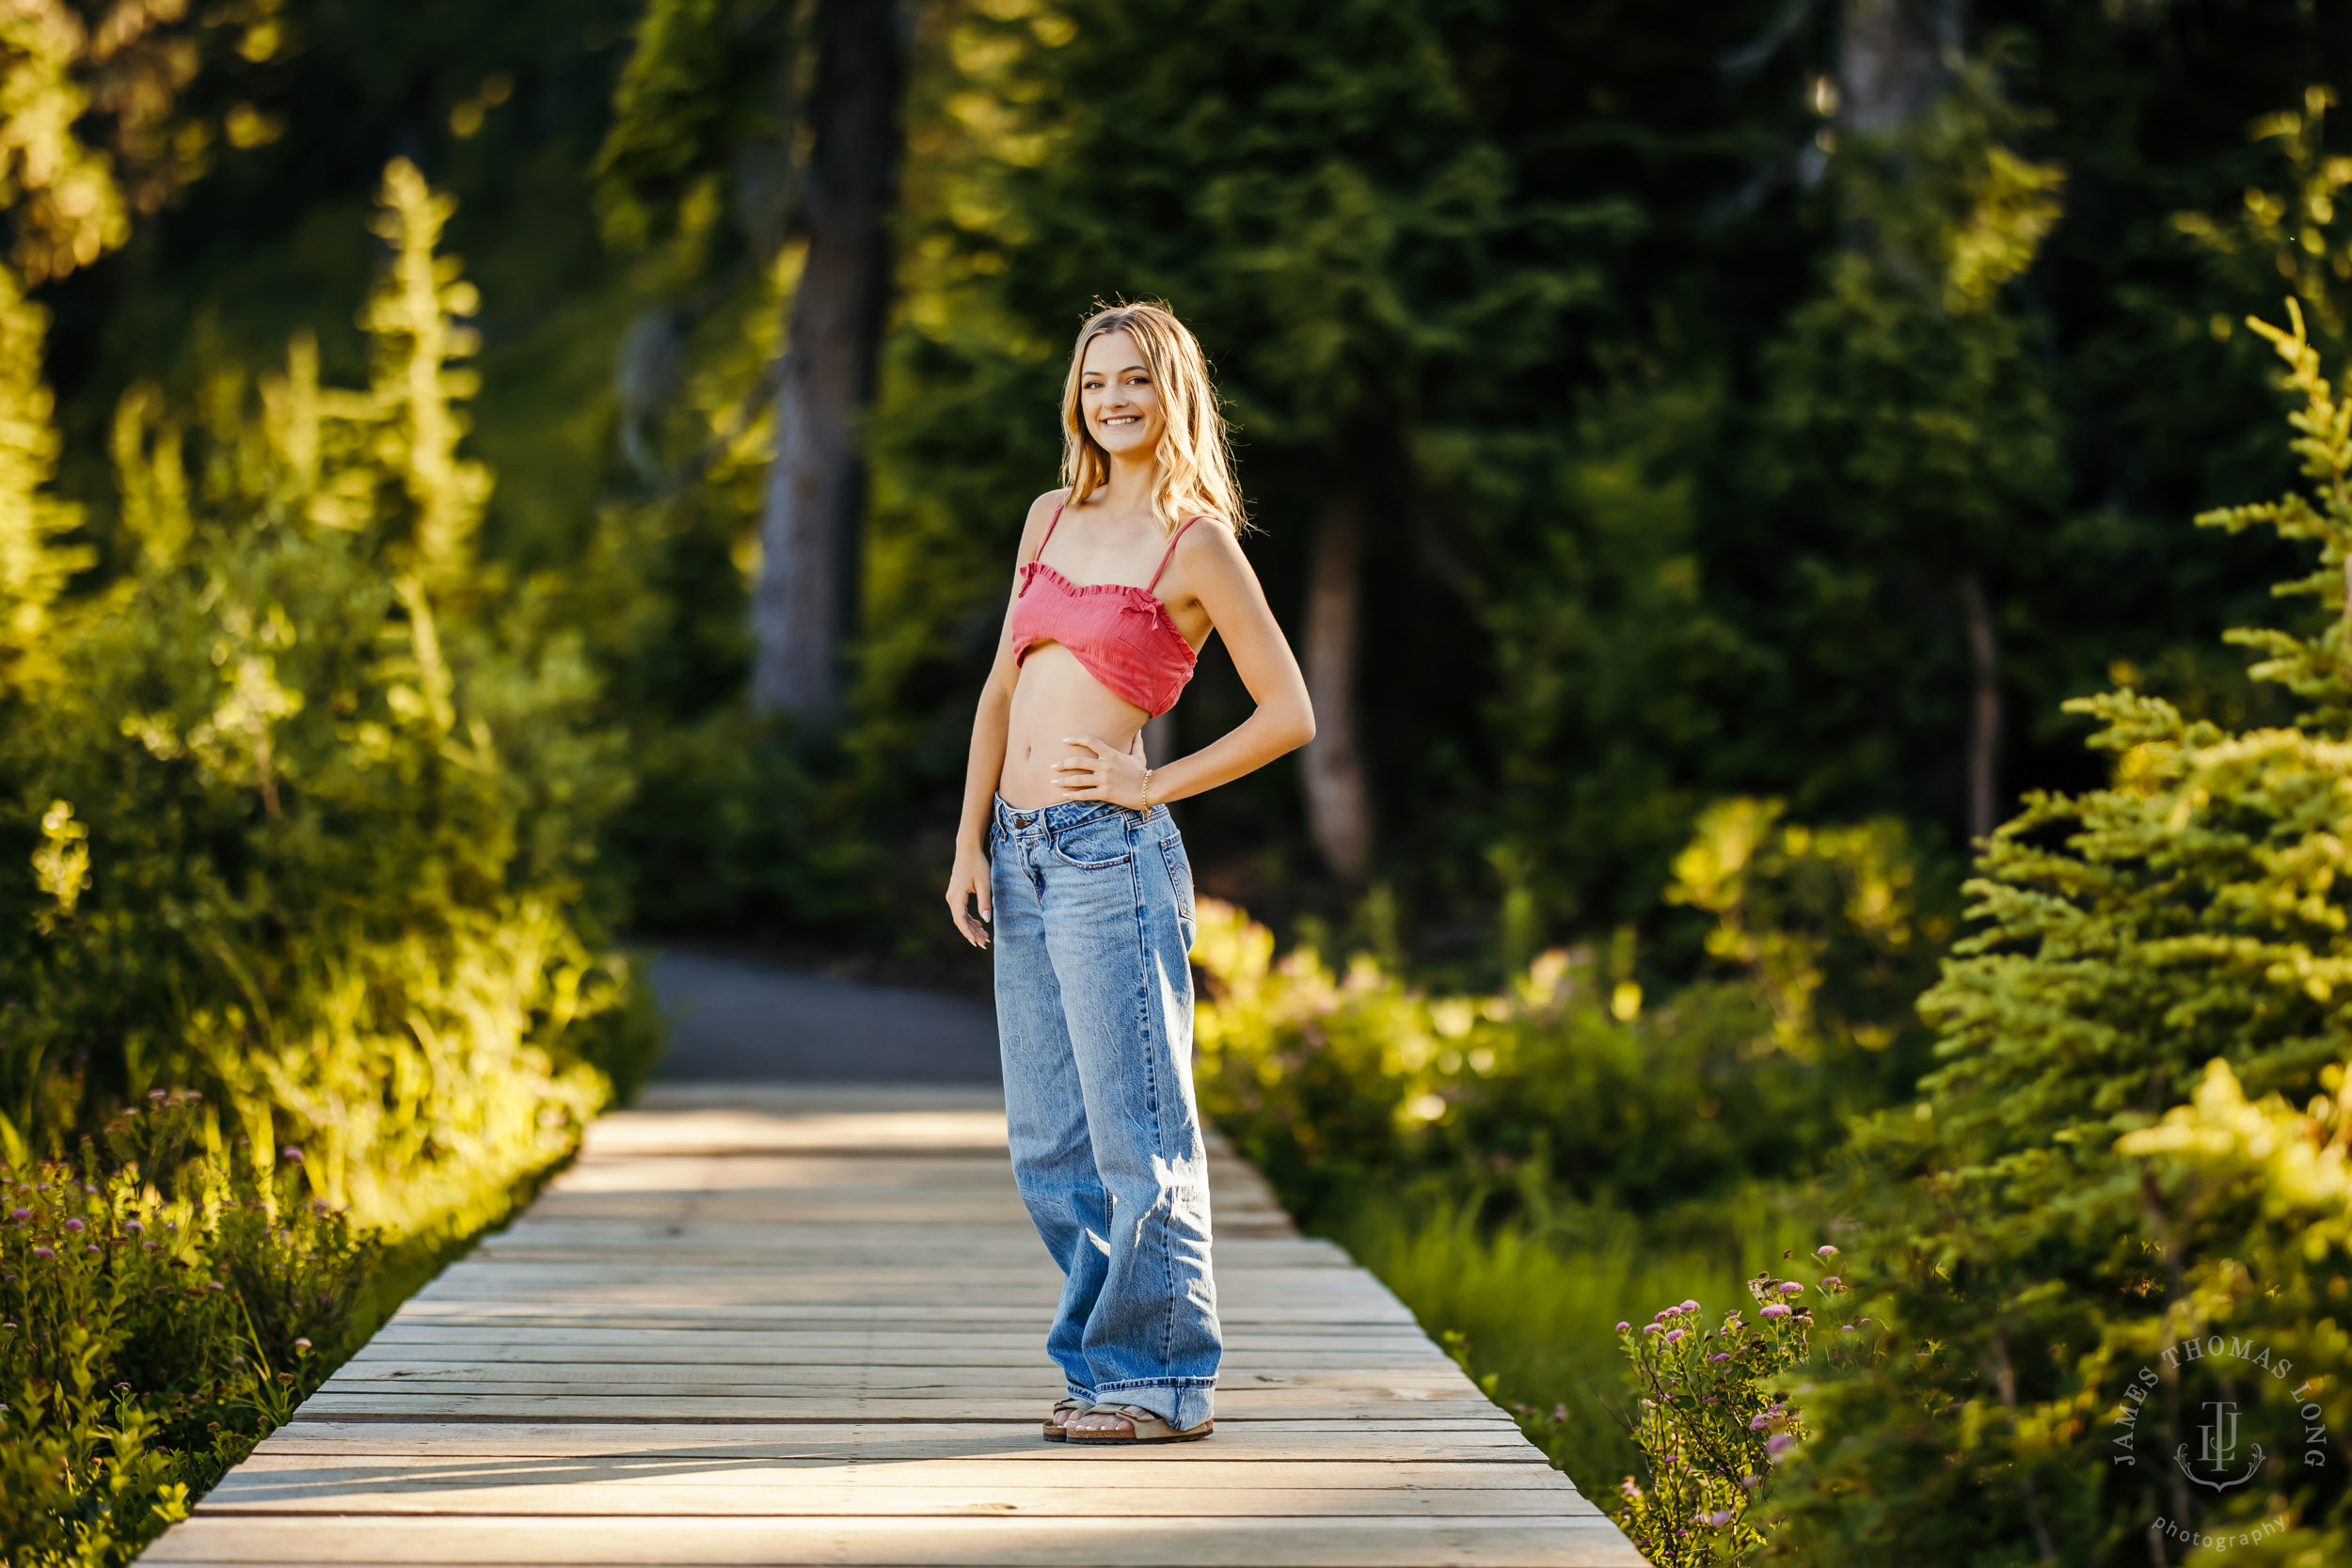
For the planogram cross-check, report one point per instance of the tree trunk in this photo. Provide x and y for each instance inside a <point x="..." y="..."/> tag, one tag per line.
<point x="802" y="612"/>
<point x="1984" y="710"/>
<point x="1891" y="58"/>
<point x="1339" y="804"/>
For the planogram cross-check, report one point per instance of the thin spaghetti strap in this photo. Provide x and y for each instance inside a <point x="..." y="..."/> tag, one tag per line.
<point x="1053" y="524"/>
<point x="1171" y="552"/>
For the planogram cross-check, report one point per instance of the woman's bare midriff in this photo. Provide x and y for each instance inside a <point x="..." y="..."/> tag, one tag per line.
<point x="1055" y="698"/>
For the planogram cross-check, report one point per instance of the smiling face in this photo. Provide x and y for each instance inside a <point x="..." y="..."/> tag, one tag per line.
<point x="1118" y="399"/>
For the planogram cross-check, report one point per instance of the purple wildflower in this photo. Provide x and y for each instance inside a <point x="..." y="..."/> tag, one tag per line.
<point x="1718" y="1518"/>
<point x="44" y="1252"/>
<point x="1673" y="1336"/>
<point x="1833" y="1282"/>
<point x="1790" y="1287"/>
<point x="1776" y="1310"/>
<point x="1690" y="1307"/>
<point x="1824" y="1251"/>
<point x="291" y="1155"/>
<point x="76" y="1226"/>
<point x="1651" y="1328"/>
<point x="1779" y="1443"/>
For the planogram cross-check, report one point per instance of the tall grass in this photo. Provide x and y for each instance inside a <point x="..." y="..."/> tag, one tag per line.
<point x="1531" y="1306"/>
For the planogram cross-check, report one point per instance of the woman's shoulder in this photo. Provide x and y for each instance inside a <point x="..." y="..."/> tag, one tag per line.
<point x="1042" y="512"/>
<point x="1206" y="533"/>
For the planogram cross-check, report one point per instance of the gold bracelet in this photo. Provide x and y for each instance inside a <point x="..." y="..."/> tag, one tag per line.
<point x="1147" y="792"/>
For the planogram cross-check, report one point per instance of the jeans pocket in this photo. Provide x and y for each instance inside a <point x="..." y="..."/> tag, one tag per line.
<point x="1096" y="846"/>
<point x="1180" y="879"/>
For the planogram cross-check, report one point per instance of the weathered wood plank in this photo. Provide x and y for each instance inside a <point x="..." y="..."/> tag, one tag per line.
<point x="1566" y="1541"/>
<point x="1482" y="1436"/>
<point x="535" y="1401"/>
<point x="709" y="1488"/>
<point x="1438" y="1380"/>
<point x="791" y="1344"/>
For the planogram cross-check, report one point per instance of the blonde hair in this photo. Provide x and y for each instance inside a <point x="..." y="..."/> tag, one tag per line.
<point x="1195" y="457"/>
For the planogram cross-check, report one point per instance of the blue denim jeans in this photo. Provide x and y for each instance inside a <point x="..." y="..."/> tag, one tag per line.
<point x="1095" y="920"/>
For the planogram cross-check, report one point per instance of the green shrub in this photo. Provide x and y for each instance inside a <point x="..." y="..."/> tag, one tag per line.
<point x="1715" y="1416"/>
<point x="1569" y="1078"/>
<point x="162" y="1307"/>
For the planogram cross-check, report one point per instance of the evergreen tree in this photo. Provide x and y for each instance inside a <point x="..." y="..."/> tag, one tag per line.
<point x="2059" y="1253"/>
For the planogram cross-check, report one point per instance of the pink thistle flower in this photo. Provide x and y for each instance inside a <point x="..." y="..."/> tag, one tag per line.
<point x="1776" y="1310"/>
<point x="1790" y="1287"/>
<point x="1824" y="1251"/>
<point x="44" y="1252"/>
<point x="76" y="1226"/>
<point x="1652" y="1328"/>
<point x="1833" y="1282"/>
<point x="1622" y="1327"/>
<point x="1673" y="1336"/>
<point x="1690" y="1307"/>
<point x="1778" y="1444"/>
<point x="1717" y="1518"/>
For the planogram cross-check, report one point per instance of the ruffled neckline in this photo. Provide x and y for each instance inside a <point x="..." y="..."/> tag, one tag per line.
<point x="1137" y="591"/>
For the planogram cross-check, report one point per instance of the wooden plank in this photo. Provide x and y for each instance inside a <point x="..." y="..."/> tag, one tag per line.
<point x="393" y="1358"/>
<point x="703" y="1488"/>
<point x="794" y="1343"/>
<point x="535" y="1401"/>
<point x="1440" y="1379"/>
<point x="1566" y="1541"/>
<point x="1482" y="1436"/>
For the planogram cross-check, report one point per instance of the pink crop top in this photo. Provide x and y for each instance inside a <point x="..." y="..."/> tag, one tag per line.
<point x="1120" y="633"/>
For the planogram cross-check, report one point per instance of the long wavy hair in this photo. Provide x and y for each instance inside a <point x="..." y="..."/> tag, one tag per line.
<point x="1195" y="457"/>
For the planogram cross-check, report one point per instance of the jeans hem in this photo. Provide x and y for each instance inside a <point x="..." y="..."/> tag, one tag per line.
<point x="1182" y="1403"/>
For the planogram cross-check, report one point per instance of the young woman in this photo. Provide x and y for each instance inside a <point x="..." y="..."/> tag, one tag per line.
<point x="1066" y="845"/>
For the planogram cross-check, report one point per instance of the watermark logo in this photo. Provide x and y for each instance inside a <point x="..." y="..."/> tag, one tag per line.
<point x="2218" y="1448"/>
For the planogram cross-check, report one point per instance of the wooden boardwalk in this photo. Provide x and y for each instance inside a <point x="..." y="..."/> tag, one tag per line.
<point x="805" y="1325"/>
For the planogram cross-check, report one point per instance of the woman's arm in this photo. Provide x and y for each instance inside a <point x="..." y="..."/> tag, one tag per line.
<point x="967" y="883"/>
<point x="1284" y="720"/>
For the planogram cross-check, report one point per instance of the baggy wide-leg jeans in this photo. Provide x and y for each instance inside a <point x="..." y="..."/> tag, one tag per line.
<point x="1095" y="920"/>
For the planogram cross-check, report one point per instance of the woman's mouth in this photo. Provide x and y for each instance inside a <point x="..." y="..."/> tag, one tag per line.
<point x="1122" y="418"/>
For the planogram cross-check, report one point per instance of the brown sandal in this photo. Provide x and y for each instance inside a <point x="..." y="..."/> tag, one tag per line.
<point x="1150" y="1427"/>
<point x="1056" y="1430"/>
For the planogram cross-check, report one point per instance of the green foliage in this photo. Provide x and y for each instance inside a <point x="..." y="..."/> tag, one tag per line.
<point x="1568" y="1077"/>
<point x="304" y="806"/>
<point x="2041" y="1247"/>
<point x="1715" y="1417"/>
<point x="161" y="1309"/>
<point x="1526" y="1304"/>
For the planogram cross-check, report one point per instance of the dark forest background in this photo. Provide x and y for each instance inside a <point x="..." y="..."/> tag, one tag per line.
<point x="1665" y="474"/>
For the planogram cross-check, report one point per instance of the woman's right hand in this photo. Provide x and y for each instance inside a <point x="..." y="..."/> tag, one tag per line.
<point x="967" y="884"/>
